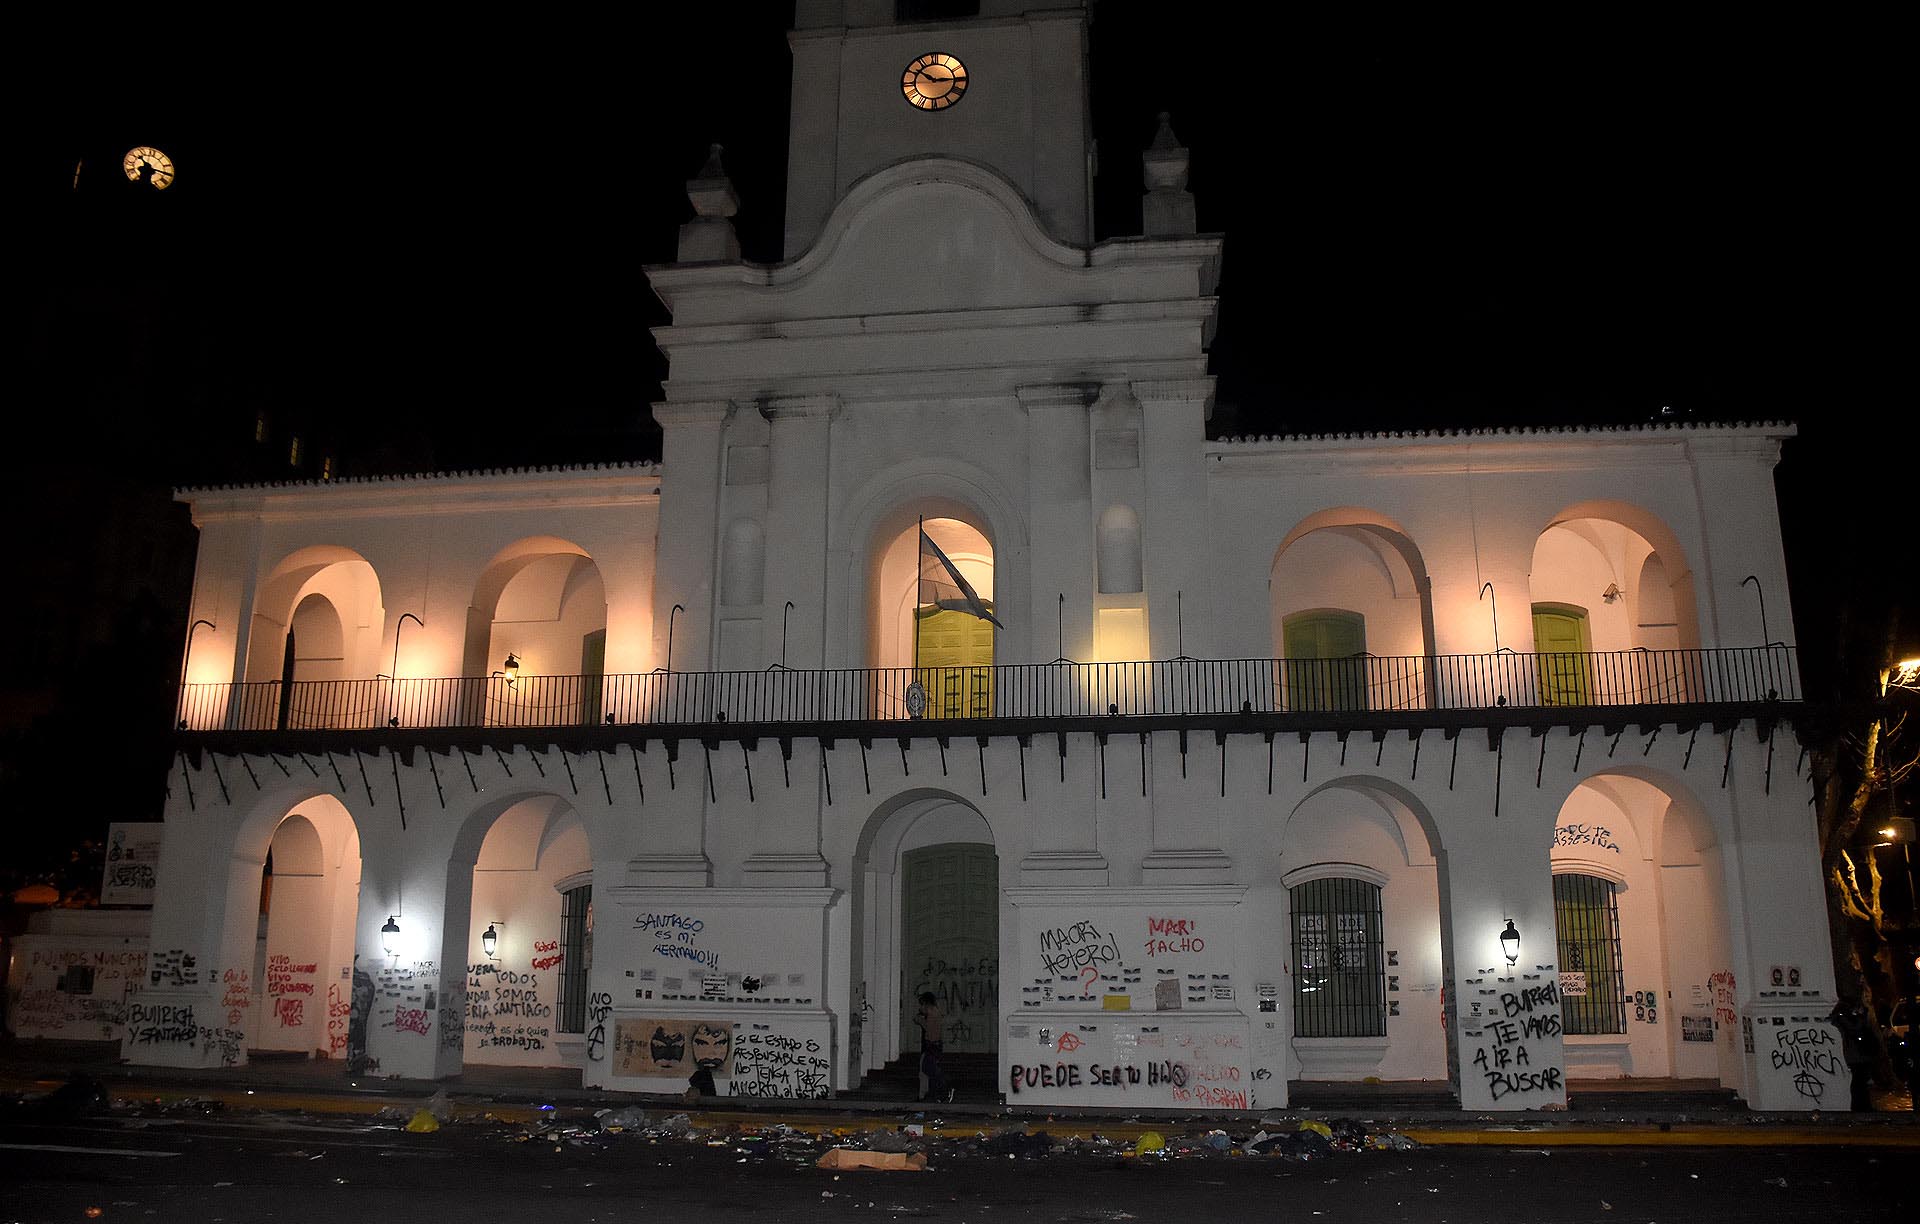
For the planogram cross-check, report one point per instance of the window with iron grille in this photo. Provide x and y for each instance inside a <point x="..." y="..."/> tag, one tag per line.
<point x="1586" y="921"/>
<point x="1339" y="976"/>
<point x="576" y="946"/>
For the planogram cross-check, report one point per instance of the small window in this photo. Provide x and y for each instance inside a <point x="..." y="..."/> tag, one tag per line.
<point x="1586" y="920"/>
<point x="260" y="426"/>
<point x="293" y="452"/>
<point x="326" y="467"/>
<point x="1339" y="979"/>
<point x="576" y="947"/>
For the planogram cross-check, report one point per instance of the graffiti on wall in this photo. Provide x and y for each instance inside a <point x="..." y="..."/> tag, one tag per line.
<point x="771" y="1064"/>
<point x="77" y="994"/>
<point x="599" y="1007"/>
<point x="1181" y="1067"/>
<point x="1598" y="836"/>
<point x="1806" y="1053"/>
<point x="1515" y="1033"/>
<point x="507" y="1009"/>
<point x="672" y="1047"/>
<point x="176" y="1024"/>
<point x="677" y="937"/>
<point x="289" y="987"/>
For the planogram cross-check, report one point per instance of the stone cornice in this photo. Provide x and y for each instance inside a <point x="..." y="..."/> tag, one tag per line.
<point x="448" y="493"/>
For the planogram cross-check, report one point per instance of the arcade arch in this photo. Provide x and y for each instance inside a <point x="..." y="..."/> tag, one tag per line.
<point x="528" y="870"/>
<point x="1363" y="888"/>
<point x="542" y="605"/>
<point x="318" y="617"/>
<point x="927" y="905"/>
<point x="303" y="957"/>
<point x="1351" y="613"/>
<point x="1610" y="578"/>
<point x="952" y="647"/>
<point x="1640" y="907"/>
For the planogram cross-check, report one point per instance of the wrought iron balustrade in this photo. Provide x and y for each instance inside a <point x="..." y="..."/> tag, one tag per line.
<point x="1348" y="686"/>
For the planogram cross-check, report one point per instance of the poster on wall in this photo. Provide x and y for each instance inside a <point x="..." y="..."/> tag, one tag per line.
<point x="133" y="861"/>
<point x="656" y="1047"/>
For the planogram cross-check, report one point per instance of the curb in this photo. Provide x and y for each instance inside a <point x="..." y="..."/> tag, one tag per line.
<point x="1887" y="1135"/>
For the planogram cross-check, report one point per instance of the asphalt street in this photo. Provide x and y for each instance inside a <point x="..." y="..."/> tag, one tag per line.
<point x="211" y="1169"/>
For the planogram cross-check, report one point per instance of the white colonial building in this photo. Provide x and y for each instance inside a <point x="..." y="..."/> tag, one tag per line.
<point x="1457" y="756"/>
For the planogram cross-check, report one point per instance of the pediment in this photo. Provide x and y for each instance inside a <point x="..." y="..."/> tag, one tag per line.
<point x="934" y="236"/>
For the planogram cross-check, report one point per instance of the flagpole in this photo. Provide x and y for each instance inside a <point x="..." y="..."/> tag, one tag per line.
<point x="919" y="562"/>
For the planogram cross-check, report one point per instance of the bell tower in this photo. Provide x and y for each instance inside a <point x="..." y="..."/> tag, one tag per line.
<point x="1021" y="110"/>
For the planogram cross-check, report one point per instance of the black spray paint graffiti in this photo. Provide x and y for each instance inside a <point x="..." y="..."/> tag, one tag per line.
<point x="775" y="1065"/>
<point x="1812" y="1054"/>
<point x="357" y="1018"/>
<point x="1069" y="948"/>
<point x="1598" y="836"/>
<point x="1527" y="1015"/>
<point x="599" y="1007"/>
<point x="174" y="1024"/>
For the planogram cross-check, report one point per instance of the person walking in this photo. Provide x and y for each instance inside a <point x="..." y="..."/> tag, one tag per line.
<point x="933" y="1077"/>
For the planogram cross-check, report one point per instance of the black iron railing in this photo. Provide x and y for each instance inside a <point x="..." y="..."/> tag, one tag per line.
<point x="1047" y="690"/>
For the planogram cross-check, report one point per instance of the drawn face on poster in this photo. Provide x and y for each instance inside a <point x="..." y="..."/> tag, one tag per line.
<point x="663" y="1047"/>
<point x="712" y="1046"/>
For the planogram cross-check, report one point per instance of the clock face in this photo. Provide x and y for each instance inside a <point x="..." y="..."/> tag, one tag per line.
<point x="934" y="82"/>
<point x="148" y="164"/>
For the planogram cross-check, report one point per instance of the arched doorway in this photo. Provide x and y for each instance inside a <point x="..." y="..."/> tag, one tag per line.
<point x="304" y="951"/>
<point x="1613" y="609"/>
<point x="529" y="933"/>
<point x="1364" y="938"/>
<point x="536" y="641"/>
<point x="318" y="621"/>
<point x="928" y="905"/>
<point x="1352" y="615"/>
<point x="927" y="619"/>
<point x="1643" y="936"/>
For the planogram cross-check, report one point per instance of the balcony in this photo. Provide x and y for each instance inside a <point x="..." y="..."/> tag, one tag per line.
<point x="1361" y="692"/>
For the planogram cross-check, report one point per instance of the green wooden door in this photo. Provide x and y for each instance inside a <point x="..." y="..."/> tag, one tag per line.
<point x="1561" y="640"/>
<point x="951" y="945"/>
<point x="1326" y="663"/>
<point x="593" y="666"/>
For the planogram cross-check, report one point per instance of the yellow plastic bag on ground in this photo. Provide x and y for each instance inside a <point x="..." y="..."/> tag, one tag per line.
<point x="1318" y="1128"/>
<point x="1152" y="1141"/>
<point x="422" y="1123"/>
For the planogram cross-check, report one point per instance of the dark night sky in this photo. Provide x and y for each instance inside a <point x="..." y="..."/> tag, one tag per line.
<point x="428" y="244"/>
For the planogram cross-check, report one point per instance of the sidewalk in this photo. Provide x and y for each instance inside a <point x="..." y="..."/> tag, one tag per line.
<point x="531" y="1095"/>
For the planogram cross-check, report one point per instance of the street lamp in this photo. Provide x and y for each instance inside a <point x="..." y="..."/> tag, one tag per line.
<point x="489" y="941"/>
<point x="390" y="936"/>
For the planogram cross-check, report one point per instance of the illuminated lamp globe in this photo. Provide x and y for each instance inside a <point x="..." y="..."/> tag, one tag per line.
<point x="390" y="936"/>
<point x="489" y="941"/>
<point x="1510" y="942"/>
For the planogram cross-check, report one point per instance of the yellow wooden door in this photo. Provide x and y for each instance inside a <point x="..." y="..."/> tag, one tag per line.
<point x="1560" y="639"/>
<point x="956" y="662"/>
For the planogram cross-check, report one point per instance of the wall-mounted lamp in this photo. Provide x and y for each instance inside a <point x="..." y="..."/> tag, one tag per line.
<point x="1510" y="942"/>
<point x="511" y="668"/>
<point x="490" y="940"/>
<point x="390" y="936"/>
<point x="677" y="610"/>
<point x="1611" y="594"/>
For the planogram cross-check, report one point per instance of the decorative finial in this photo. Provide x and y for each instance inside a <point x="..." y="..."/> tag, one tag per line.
<point x="1167" y="211"/>
<point x="710" y="237"/>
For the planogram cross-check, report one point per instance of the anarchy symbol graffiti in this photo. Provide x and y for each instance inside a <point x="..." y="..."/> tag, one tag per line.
<point x="1810" y="1086"/>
